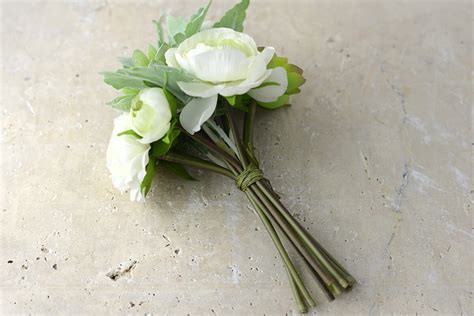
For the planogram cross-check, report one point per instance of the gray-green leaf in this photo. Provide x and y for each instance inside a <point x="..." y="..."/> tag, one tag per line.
<point x="196" y="20"/>
<point x="151" y="52"/>
<point x="139" y="58"/>
<point x="159" y="30"/>
<point x="126" y="62"/>
<point x="160" y="54"/>
<point x="176" y="25"/>
<point x="235" y="17"/>
<point x="161" y="76"/>
<point x="121" y="79"/>
<point x="122" y="103"/>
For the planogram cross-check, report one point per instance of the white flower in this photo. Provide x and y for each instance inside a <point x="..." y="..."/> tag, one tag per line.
<point x="127" y="159"/>
<point x="270" y="93"/>
<point x="223" y="62"/>
<point x="150" y="115"/>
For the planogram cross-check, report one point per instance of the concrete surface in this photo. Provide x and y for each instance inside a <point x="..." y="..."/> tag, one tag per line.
<point x="374" y="157"/>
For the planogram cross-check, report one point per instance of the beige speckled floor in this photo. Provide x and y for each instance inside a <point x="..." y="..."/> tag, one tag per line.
<point x="374" y="157"/>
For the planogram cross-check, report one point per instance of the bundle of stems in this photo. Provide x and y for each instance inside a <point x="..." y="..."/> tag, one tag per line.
<point x="233" y="156"/>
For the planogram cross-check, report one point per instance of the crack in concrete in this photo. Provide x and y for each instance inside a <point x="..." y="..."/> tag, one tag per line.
<point x="121" y="270"/>
<point x="394" y="232"/>
<point x="400" y="192"/>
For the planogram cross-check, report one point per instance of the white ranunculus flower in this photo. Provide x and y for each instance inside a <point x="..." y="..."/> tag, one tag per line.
<point x="150" y="115"/>
<point x="223" y="62"/>
<point x="127" y="159"/>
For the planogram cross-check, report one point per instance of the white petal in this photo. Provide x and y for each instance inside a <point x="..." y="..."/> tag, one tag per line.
<point x="200" y="48"/>
<point x="214" y="36"/>
<point x="238" y="88"/>
<point x="196" y="112"/>
<point x="121" y="123"/>
<point x="267" y="54"/>
<point x="154" y="117"/>
<point x="257" y="73"/>
<point x="271" y="93"/>
<point x="200" y="89"/>
<point x="257" y="69"/>
<point x="126" y="157"/>
<point x="170" y="58"/>
<point x="156" y="98"/>
<point x="136" y="195"/>
<point x="218" y="65"/>
<point x="159" y="130"/>
<point x="145" y="159"/>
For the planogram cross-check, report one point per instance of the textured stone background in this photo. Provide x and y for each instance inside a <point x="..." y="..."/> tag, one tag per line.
<point x="374" y="157"/>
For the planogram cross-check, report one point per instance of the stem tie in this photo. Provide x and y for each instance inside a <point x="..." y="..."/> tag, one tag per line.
<point x="249" y="176"/>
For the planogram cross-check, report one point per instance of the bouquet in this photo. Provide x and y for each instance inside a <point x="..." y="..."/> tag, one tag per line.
<point x="180" y="103"/>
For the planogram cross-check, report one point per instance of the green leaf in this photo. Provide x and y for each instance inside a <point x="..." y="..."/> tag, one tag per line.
<point x="231" y="100"/>
<point x="150" y="172"/>
<point x="156" y="75"/>
<point x="120" y="79"/>
<point x="277" y="61"/>
<point x="126" y="62"/>
<point x="139" y="58"/>
<point x="240" y="102"/>
<point x="129" y="91"/>
<point x="179" y="28"/>
<point x="235" y="17"/>
<point x="151" y="52"/>
<point x="294" y="68"/>
<point x="178" y="38"/>
<point x="159" y="30"/>
<point x="130" y="132"/>
<point x="162" y="146"/>
<point x="176" y="25"/>
<point x="294" y="81"/>
<point x="293" y="72"/>
<point x="160" y="55"/>
<point x="196" y="20"/>
<point x="282" y="100"/>
<point x="171" y="102"/>
<point x="122" y="103"/>
<point x="295" y="91"/>
<point x="150" y="84"/>
<point x="177" y="169"/>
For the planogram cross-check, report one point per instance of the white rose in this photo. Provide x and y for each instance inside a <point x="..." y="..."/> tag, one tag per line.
<point x="150" y="115"/>
<point x="223" y="62"/>
<point x="127" y="158"/>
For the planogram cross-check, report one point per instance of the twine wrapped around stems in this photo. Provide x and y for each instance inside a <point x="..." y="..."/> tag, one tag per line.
<point x="248" y="176"/>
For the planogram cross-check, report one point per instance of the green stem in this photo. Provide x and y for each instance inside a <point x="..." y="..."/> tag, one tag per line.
<point x="294" y="238"/>
<point x="196" y="162"/>
<point x="296" y="293"/>
<point x="304" y="236"/>
<point x="248" y="127"/>
<point x="336" y="264"/>
<point x="328" y="282"/>
<point x="238" y="141"/>
<point x="284" y="255"/>
<point x="213" y="148"/>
